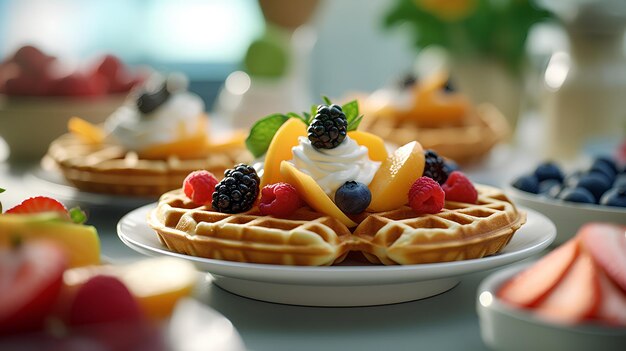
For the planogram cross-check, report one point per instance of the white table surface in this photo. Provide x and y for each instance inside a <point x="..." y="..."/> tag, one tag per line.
<point x="444" y="322"/>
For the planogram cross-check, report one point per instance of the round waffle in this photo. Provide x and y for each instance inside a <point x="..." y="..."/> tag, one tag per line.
<point x="109" y="168"/>
<point x="465" y="142"/>
<point x="460" y="231"/>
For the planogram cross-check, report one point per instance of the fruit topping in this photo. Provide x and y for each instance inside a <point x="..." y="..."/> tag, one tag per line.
<point x="607" y="245"/>
<point x="285" y="138"/>
<point x="459" y="188"/>
<point x="199" y="187"/>
<point x="615" y="197"/>
<point x="328" y="128"/>
<point x="86" y="131"/>
<point x="527" y="183"/>
<point x="595" y="183"/>
<point x="581" y="195"/>
<point x="375" y="145"/>
<point x="395" y="176"/>
<point x="426" y="196"/>
<point x="353" y="197"/>
<point x="548" y="170"/>
<point x="279" y="200"/>
<point x="312" y="193"/>
<point x="32" y="276"/>
<point x="39" y="204"/>
<point x="103" y="299"/>
<point x="238" y="191"/>
<point x="149" y="101"/>
<point x="435" y="167"/>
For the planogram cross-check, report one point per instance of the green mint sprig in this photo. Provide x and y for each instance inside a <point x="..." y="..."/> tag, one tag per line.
<point x="77" y="215"/>
<point x="262" y="132"/>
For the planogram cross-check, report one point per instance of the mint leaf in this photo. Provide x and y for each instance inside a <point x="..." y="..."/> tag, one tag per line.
<point x="351" y="110"/>
<point x="354" y="124"/>
<point x="262" y="132"/>
<point x="327" y="100"/>
<point x="295" y="115"/>
<point x="77" y="215"/>
<point x="2" y="190"/>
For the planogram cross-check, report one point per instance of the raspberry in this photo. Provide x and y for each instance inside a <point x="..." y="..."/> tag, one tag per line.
<point x="426" y="196"/>
<point x="459" y="188"/>
<point x="279" y="200"/>
<point x="199" y="187"/>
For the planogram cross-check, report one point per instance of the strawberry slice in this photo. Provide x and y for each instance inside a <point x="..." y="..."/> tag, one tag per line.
<point x="613" y="306"/>
<point x="529" y="287"/>
<point x="577" y="296"/>
<point x="607" y="244"/>
<point x="39" y="204"/>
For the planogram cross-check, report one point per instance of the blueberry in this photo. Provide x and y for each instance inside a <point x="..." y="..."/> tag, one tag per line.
<point x="353" y="197"/>
<point x="548" y="170"/>
<point x="607" y="161"/>
<point x="571" y="179"/>
<point x="596" y="184"/>
<point x="620" y="181"/>
<point x="614" y="197"/>
<point x="603" y="169"/>
<point x="450" y="166"/>
<point x="528" y="183"/>
<point x="581" y="195"/>
<point x="549" y="187"/>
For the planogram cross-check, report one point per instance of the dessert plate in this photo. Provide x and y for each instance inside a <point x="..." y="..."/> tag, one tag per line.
<point x="567" y="216"/>
<point x="349" y="284"/>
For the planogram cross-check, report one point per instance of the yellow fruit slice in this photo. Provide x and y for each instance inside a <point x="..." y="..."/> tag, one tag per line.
<point x="156" y="283"/>
<point x="89" y="133"/>
<point x="279" y="150"/>
<point x="236" y="140"/>
<point x="191" y="147"/>
<point x="80" y="241"/>
<point x="375" y="145"/>
<point x="312" y="194"/>
<point x="392" y="181"/>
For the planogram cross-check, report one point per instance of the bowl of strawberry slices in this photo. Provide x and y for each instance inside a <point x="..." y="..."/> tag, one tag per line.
<point x="573" y="298"/>
<point x="38" y="95"/>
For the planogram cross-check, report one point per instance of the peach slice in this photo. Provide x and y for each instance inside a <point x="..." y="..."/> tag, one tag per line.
<point x="312" y="193"/>
<point x="392" y="181"/>
<point x="88" y="132"/>
<point x="375" y="145"/>
<point x="286" y="137"/>
<point x="191" y="147"/>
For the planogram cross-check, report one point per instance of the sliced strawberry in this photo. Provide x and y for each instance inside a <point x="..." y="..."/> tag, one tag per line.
<point x="39" y="204"/>
<point x="612" y="309"/>
<point x="607" y="244"/>
<point x="532" y="285"/>
<point x="577" y="296"/>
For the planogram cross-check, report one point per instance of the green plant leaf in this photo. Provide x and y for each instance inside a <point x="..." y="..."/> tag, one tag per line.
<point x="351" y="110"/>
<point x="354" y="124"/>
<point x="327" y="100"/>
<point x="304" y="118"/>
<point x="2" y="190"/>
<point x="77" y="215"/>
<point x="262" y="132"/>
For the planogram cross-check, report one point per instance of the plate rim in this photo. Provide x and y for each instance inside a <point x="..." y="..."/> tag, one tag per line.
<point x="334" y="274"/>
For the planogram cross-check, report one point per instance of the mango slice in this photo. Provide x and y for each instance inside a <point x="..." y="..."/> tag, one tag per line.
<point x="392" y="181"/>
<point x="156" y="283"/>
<point x="375" y="144"/>
<point x="312" y="193"/>
<point x="88" y="132"/>
<point x="80" y="241"/>
<point x="280" y="150"/>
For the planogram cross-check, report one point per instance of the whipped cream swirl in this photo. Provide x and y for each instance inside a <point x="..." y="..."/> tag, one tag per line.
<point x="180" y="116"/>
<point x="331" y="168"/>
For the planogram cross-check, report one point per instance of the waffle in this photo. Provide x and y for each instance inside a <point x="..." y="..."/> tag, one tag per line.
<point x="463" y="143"/>
<point x="110" y="169"/>
<point x="460" y="231"/>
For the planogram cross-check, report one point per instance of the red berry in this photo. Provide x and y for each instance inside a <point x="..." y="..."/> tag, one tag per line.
<point x="459" y="188"/>
<point x="103" y="299"/>
<point x="279" y="200"/>
<point x="39" y="204"/>
<point x="199" y="187"/>
<point x="426" y="196"/>
<point x="32" y="61"/>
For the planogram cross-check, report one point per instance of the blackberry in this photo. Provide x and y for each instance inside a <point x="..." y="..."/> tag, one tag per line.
<point x="328" y="128"/>
<point x="435" y="167"/>
<point x="149" y="101"/>
<point x="238" y="191"/>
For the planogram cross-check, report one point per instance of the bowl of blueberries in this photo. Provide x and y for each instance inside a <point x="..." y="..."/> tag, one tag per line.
<point x="596" y="193"/>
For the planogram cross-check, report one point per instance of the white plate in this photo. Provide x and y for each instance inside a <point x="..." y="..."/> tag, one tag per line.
<point x="567" y="216"/>
<point x="507" y="328"/>
<point x="53" y="183"/>
<point x="343" y="285"/>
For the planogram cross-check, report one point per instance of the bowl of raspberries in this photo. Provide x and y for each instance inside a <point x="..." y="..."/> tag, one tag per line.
<point x="571" y="198"/>
<point x="39" y="93"/>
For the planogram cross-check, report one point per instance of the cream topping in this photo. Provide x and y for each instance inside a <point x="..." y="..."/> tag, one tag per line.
<point x="331" y="168"/>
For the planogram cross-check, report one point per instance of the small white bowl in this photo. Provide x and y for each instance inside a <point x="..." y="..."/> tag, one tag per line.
<point x="567" y="216"/>
<point x="29" y="124"/>
<point x="504" y="327"/>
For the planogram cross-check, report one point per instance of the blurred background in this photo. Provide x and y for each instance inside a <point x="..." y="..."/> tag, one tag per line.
<point x="560" y="62"/>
